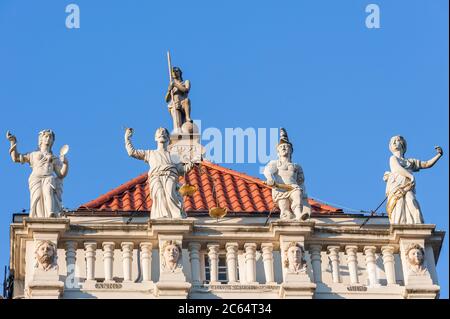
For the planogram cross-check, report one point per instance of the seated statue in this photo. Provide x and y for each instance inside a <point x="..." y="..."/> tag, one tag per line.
<point x="287" y="182"/>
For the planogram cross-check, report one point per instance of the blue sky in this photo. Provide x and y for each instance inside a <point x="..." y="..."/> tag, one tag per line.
<point x="340" y="89"/>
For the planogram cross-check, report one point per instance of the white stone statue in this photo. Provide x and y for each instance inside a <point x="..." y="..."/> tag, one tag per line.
<point x="48" y="172"/>
<point x="294" y="258"/>
<point x="170" y="255"/>
<point x="45" y="254"/>
<point x="178" y="101"/>
<point x="402" y="206"/>
<point x="415" y="256"/>
<point x="288" y="182"/>
<point x="163" y="175"/>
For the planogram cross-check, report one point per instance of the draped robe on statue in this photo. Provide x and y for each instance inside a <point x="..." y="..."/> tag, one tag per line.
<point x="163" y="181"/>
<point x="45" y="187"/>
<point x="402" y="206"/>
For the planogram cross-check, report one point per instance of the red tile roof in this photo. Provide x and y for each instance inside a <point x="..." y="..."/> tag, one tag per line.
<point x="238" y="192"/>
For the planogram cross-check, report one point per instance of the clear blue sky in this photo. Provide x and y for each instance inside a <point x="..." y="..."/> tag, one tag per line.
<point x="340" y="89"/>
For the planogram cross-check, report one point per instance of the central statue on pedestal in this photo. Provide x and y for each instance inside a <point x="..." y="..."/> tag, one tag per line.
<point x="163" y="175"/>
<point x="177" y="98"/>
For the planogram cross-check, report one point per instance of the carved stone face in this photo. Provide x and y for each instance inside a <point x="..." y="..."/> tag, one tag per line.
<point x="176" y="73"/>
<point x="45" y="254"/>
<point x="415" y="257"/>
<point x="294" y="255"/>
<point x="397" y="143"/>
<point x="171" y="254"/>
<point x="46" y="139"/>
<point x="161" y="135"/>
<point x="284" y="150"/>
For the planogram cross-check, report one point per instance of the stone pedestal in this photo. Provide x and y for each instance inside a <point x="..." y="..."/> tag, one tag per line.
<point x="172" y="289"/>
<point x="421" y="292"/>
<point x="416" y="285"/>
<point x="176" y="276"/>
<point x="172" y="283"/>
<point x="45" y="289"/>
<point x="170" y="227"/>
<point x="46" y="225"/>
<point x="297" y="286"/>
<point x="420" y="287"/>
<point x="45" y="284"/>
<point x="185" y="145"/>
<point x="291" y="231"/>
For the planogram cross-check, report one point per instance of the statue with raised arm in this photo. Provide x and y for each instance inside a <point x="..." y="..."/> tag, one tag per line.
<point x="48" y="172"/>
<point x="402" y="206"/>
<point x="177" y="98"/>
<point x="163" y="175"/>
<point x="288" y="182"/>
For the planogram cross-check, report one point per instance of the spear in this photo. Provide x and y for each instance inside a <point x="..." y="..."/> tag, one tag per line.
<point x="170" y="65"/>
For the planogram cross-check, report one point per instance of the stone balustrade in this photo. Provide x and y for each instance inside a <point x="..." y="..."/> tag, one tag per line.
<point x="247" y="263"/>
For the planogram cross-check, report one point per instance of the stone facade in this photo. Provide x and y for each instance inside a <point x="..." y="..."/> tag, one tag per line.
<point x="239" y="257"/>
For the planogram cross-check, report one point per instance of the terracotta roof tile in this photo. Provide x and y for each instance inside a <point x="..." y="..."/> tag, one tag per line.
<point x="239" y="192"/>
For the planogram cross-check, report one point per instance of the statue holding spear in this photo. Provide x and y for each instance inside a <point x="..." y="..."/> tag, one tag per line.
<point x="177" y="97"/>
